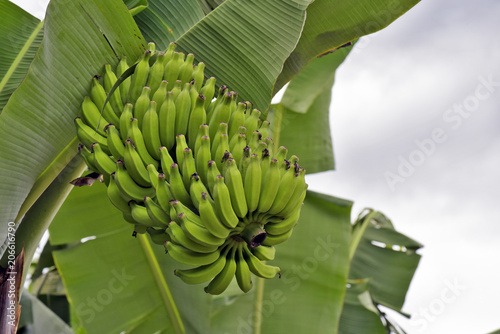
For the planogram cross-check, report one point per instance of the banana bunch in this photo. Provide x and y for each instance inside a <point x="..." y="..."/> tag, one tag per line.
<point x="189" y="165"/>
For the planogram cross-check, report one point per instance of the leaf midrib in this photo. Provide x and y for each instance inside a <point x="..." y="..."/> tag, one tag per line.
<point x="20" y="56"/>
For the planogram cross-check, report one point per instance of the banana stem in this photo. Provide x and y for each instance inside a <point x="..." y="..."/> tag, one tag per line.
<point x="254" y="235"/>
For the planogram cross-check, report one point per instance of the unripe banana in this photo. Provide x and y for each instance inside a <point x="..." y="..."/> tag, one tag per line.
<point x="252" y="122"/>
<point x="125" y="85"/>
<point x="216" y="139"/>
<point x="272" y="240"/>
<point x="88" y="157"/>
<point x="161" y="94"/>
<point x="98" y="95"/>
<point x="198" y="75"/>
<point x="142" y="105"/>
<point x="166" y="161"/>
<point x="285" y="225"/>
<point x="135" y="134"/>
<point x="237" y="120"/>
<point x="197" y="232"/>
<point x="252" y="182"/>
<point x="140" y="77"/>
<point x="202" y="159"/>
<point x="221" y="199"/>
<point x="183" y="110"/>
<point x="264" y="253"/>
<point x="153" y="175"/>
<point x="177" y="89"/>
<point x="197" y="117"/>
<point x="125" y="118"/>
<point x="222" y="150"/>
<point x="105" y="165"/>
<point x="234" y="183"/>
<point x="167" y="121"/>
<point x="156" y="73"/>
<point x="196" y="189"/>
<point x="221" y="114"/>
<point x="141" y="216"/>
<point x="203" y="131"/>
<point x="151" y="131"/>
<point x="179" y="237"/>
<point x="243" y="276"/>
<point x="220" y="282"/>
<point x="186" y="70"/>
<point x="181" y="145"/>
<point x="208" y="90"/>
<point x="115" y="99"/>
<point x="128" y="186"/>
<point x="188" y="167"/>
<point x="177" y="186"/>
<point x="212" y="173"/>
<point x="210" y="219"/>
<point x="270" y="186"/>
<point x="220" y="97"/>
<point x="135" y="166"/>
<point x="163" y="193"/>
<point x="170" y="51"/>
<point x="117" y="198"/>
<point x="92" y="116"/>
<point x="158" y="236"/>
<point x="156" y="213"/>
<point x="258" y="268"/>
<point x="88" y="136"/>
<point x="184" y="255"/>
<point x="114" y="141"/>
<point x="238" y="148"/>
<point x="172" y="69"/>
<point x="203" y="273"/>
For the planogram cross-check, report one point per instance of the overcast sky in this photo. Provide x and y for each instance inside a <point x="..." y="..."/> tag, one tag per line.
<point x="415" y="124"/>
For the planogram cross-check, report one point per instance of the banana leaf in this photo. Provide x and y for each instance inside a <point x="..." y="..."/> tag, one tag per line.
<point x="20" y="36"/>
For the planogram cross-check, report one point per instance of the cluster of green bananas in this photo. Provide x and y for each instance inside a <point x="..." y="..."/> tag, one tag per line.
<point x="199" y="174"/>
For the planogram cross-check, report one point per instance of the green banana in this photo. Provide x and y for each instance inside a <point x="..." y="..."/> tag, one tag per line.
<point x="264" y="253"/>
<point x="202" y="158"/>
<point x="156" y="213"/>
<point x="177" y="89"/>
<point x="170" y="51"/>
<point x="237" y="120"/>
<point x="92" y="116"/>
<point x="197" y="232"/>
<point x="128" y="186"/>
<point x="156" y="73"/>
<point x="257" y="267"/>
<point x="243" y="275"/>
<point x="216" y="139"/>
<point x="186" y="69"/>
<point x="272" y="240"/>
<point x="125" y="85"/>
<point x="88" y="136"/>
<point x="161" y="94"/>
<point x="234" y="183"/>
<point x="220" y="282"/>
<point x="208" y="90"/>
<point x="163" y="193"/>
<point x="196" y="189"/>
<point x="98" y="95"/>
<point x="285" y="191"/>
<point x="167" y="121"/>
<point x="197" y="117"/>
<point x="297" y="197"/>
<point x="252" y="122"/>
<point x="140" y="215"/>
<point x="222" y="149"/>
<point x="151" y="131"/>
<point x="238" y="148"/>
<point x="186" y="256"/>
<point x="270" y="186"/>
<point x="203" y="273"/>
<point x="125" y="118"/>
<point x="88" y="157"/>
<point x="199" y="76"/>
<point x="142" y="105"/>
<point x="212" y="173"/>
<point x="281" y="153"/>
<point x="172" y="69"/>
<point x="179" y="237"/>
<point x="183" y="110"/>
<point x="210" y="219"/>
<point x="220" y="97"/>
<point x="105" y="165"/>
<point x="135" y="166"/>
<point x="188" y="167"/>
<point x="140" y="77"/>
<point x="114" y="141"/>
<point x="264" y="129"/>
<point x="153" y="175"/>
<point x="166" y="161"/>
<point x="285" y="225"/>
<point x="253" y="182"/>
<point x="181" y="145"/>
<point x="203" y="131"/>
<point x="117" y="198"/>
<point x="222" y="199"/>
<point x="221" y="114"/>
<point x="177" y="186"/>
<point x="135" y="134"/>
<point x="109" y="81"/>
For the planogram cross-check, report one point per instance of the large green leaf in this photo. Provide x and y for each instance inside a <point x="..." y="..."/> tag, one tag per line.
<point x="309" y="296"/>
<point x="116" y="282"/>
<point x="331" y="24"/>
<point x="300" y="122"/>
<point x="386" y="256"/>
<point x="37" y="133"/>
<point x="20" y="37"/>
<point x="245" y="43"/>
<point x="165" y="21"/>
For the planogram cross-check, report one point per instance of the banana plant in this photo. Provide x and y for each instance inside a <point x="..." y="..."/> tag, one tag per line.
<point x="117" y="283"/>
